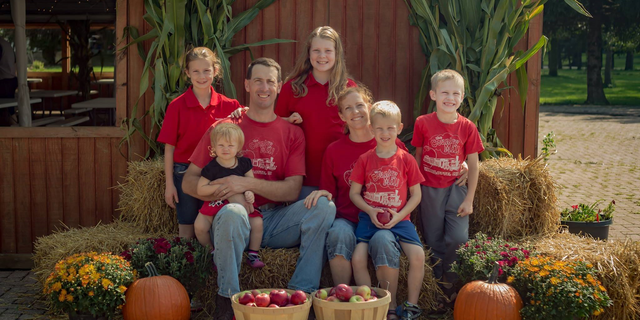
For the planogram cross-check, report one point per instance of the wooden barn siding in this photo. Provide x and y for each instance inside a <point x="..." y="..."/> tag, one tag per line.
<point x="50" y="176"/>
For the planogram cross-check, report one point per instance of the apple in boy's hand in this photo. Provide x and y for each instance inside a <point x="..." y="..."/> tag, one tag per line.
<point x="298" y="297"/>
<point x="246" y="297"/>
<point x="262" y="300"/>
<point x="385" y="216"/>
<point x="364" y="291"/>
<point x="356" y="298"/>
<point x="343" y="292"/>
<point x="322" y="294"/>
<point x="279" y="297"/>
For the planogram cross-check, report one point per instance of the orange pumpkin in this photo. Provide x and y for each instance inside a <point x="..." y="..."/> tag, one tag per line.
<point x="487" y="300"/>
<point x="156" y="297"/>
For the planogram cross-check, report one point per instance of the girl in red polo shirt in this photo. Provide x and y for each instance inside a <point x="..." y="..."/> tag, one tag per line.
<point x="188" y="117"/>
<point x="310" y="93"/>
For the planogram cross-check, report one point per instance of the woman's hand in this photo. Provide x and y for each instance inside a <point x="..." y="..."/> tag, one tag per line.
<point x="171" y="195"/>
<point x="464" y="174"/>
<point x="295" y="118"/>
<point x="312" y="199"/>
<point x="237" y="113"/>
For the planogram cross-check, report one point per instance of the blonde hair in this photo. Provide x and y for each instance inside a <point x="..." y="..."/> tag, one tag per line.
<point x="203" y="53"/>
<point x="339" y="76"/>
<point x="444" y="75"/>
<point x="387" y="109"/>
<point x="364" y="93"/>
<point x="227" y="131"/>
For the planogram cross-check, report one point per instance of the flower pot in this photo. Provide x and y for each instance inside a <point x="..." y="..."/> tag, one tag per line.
<point x="598" y="230"/>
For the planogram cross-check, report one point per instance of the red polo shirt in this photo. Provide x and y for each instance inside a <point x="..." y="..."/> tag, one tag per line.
<point x="321" y="123"/>
<point x="186" y="121"/>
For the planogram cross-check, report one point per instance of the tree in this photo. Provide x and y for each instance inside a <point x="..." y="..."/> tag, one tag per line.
<point x="561" y="23"/>
<point x="595" y="91"/>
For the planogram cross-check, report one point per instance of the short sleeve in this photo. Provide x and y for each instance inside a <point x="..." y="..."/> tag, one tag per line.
<point x="474" y="142"/>
<point x="418" y="133"/>
<point x="401" y="145"/>
<point x="295" y="161"/>
<point x="245" y="165"/>
<point x="169" y="132"/>
<point x="327" y="180"/>
<point x="414" y="176"/>
<point x="209" y="171"/>
<point x="201" y="155"/>
<point x="285" y="99"/>
<point x="358" y="173"/>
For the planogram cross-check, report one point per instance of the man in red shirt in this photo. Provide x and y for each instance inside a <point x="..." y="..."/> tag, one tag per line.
<point x="276" y="149"/>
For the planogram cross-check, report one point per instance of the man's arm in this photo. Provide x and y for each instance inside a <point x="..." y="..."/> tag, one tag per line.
<point x="190" y="183"/>
<point x="280" y="191"/>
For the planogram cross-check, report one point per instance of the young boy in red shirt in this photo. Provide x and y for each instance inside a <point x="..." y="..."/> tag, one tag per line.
<point x="443" y="140"/>
<point x="387" y="173"/>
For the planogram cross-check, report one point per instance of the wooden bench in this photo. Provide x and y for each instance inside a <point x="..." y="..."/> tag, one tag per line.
<point x="69" y="122"/>
<point x="76" y="111"/>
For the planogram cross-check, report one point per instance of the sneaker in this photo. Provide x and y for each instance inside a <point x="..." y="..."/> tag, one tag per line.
<point x="254" y="261"/>
<point x="223" y="310"/>
<point x="196" y="306"/>
<point x="408" y="311"/>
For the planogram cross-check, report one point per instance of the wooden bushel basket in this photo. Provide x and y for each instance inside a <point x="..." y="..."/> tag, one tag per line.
<point x="368" y="310"/>
<point x="242" y="312"/>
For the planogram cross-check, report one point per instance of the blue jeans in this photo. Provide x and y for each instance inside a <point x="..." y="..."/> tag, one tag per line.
<point x="384" y="249"/>
<point x="187" y="206"/>
<point x="284" y="227"/>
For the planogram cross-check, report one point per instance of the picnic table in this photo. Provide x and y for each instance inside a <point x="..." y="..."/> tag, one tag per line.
<point x="8" y="103"/>
<point x="98" y="103"/>
<point x="104" y="82"/>
<point x="51" y="95"/>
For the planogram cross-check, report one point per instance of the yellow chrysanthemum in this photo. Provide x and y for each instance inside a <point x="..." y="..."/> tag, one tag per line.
<point x="56" y="286"/>
<point x="91" y="293"/>
<point x="510" y="279"/>
<point x="106" y="283"/>
<point x="70" y="298"/>
<point x="554" y="281"/>
<point x="122" y="289"/>
<point x="544" y="273"/>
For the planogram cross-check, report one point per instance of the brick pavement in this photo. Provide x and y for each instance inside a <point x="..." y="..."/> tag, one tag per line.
<point x="597" y="158"/>
<point x="19" y="296"/>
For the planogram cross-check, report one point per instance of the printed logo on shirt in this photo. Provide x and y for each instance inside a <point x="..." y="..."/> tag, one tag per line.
<point x="384" y="178"/>
<point x="259" y="151"/>
<point x="347" y="174"/>
<point x="446" y="143"/>
<point x="441" y="156"/>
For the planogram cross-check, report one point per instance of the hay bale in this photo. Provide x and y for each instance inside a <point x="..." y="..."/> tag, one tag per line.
<point x="280" y="265"/>
<point x="515" y="199"/>
<point x="142" y="198"/>
<point x="618" y="263"/>
<point x="114" y="237"/>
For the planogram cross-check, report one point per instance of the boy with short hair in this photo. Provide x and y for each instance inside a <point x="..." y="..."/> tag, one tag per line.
<point x="443" y="140"/>
<point x="387" y="173"/>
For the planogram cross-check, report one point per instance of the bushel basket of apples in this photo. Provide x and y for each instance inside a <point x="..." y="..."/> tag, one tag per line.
<point x="271" y="304"/>
<point x="345" y="302"/>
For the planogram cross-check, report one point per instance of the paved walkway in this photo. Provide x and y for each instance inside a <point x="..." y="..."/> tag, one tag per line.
<point x="598" y="158"/>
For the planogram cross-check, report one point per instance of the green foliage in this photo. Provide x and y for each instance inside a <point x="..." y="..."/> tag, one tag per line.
<point x="559" y="289"/>
<point x="477" y="38"/>
<point x="177" y="26"/>
<point x="37" y="65"/>
<point x="548" y="145"/>
<point x="479" y="255"/>
<point x="183" y="259"/>
<point x="570" y="87"/>
<point x="588" y="212"/>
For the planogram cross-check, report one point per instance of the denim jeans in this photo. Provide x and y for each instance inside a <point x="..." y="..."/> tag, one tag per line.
<point x="383" y="247"/>
<point x="187" y="207"/>
<point x="284" y="227"/>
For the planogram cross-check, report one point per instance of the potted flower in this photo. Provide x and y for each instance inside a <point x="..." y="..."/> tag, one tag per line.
<point x="89" y="285"/>
<point x="555" y="289"/>
<point x="186" y="260"/>
<point x="589" y="219"/>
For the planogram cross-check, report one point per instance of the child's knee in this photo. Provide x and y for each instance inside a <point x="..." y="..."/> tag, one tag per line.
<point x="255" y="223"/>
<point x="359" y="261"/>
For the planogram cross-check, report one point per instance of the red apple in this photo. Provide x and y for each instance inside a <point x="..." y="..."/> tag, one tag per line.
<point x="262" y="300"/>
<point x="384" y="217"/>
<point x="274" y="306"/>
<point x="322" y="294"/>
<point x="298" y="297"/>
<point x="251" y="304"/>
<point x="279" y="297"/>
<point x="356" y="298"/>
<point x="333" y="299"/>
<point x="246" y="297"/>
<point x="364" y="291"/>
<point x="343" y="292"/>
<point x="255" y="292"/>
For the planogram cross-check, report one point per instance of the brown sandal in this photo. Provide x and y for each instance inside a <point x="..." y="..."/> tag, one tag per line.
<point x="391" y="314"/>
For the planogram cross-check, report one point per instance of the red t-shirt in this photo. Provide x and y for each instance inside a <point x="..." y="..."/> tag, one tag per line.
<point x="339" y="160"/>
<point x="445" y="147"/>
<point x="321" y="123"/>
<point x="186" y="121"/>
<point x="276" y="149"/>
<point x="386" y="182"/>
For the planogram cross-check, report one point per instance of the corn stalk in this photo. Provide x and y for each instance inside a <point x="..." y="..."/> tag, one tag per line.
<point x="177" y="26"/>
<point x="477" y="38"/>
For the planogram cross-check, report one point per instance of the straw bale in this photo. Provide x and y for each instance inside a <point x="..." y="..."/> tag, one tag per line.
<point x="114" y="237"/>
<point x="515" y="198"/>
<point x="618" y="263"/>
<point x="280" y="265"/>
<point x="142" y="197"/>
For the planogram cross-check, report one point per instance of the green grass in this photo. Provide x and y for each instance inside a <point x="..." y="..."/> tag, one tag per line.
<point x="96" y="69"/>
<point x="570" y="87"/>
